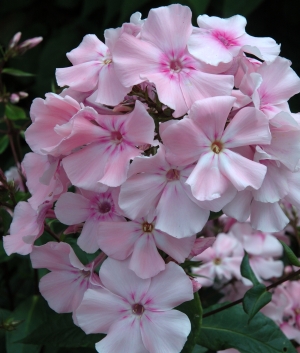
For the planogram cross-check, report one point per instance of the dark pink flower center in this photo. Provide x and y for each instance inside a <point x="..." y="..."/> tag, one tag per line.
<point x="116" y="137"/>
<point x="173" y="174"/>
<point x="147" y="227"/>
<point x="138" y="309"/>
<point x="217" y="147"/>
<point x="104" y="207"/>
<point x="175" y="65"/>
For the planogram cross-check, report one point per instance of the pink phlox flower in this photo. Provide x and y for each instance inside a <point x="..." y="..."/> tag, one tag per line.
<point x="219" y="40"/>
<point x="65" y="285"/>
<point x="93" y="70"/>
<point x="160" y="55"/>
<point x="90" y="207"/>
<point x="46" y="115"/>
<point x="137" y="314"/>
<point x="140" y="239"/>
<point x="156" y="184"/>
<point x="200" y="137"/>
<point x="221" y="261"/>
<point x="263" y="249"/>
<point x="26" y="227"/>
<point x="46" y="179"/>
<point x="200" y="245"/>
<point x="271" y="86"/>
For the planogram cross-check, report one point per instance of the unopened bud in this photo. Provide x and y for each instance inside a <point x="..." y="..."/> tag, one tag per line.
<point x="23" y="94"/>
<point x="15" y="40"/>
<point x="14" y="98"/>
<point x="29" y="44"/>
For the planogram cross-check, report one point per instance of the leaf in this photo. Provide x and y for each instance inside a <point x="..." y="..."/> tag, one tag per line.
<point x="6" y="219"/>
<point x="4" y="141"/>
<point x="242" y="7"/>
<point x="290" y="255"/>
<point x="193" y="310"/>
<point x="247" y="271"/>
<point x="230" y="329"/>
<point x="60" y="331"/>
<point x="16" y="72"/>
<point x="14" y="113"/>
<point x="32" y="312"/>
<point x="199" y="349"/>
<point x="255" y="299"/>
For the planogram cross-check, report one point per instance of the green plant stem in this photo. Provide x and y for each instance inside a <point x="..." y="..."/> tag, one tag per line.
<point x="271" y="286"/>
<point x="49" y="231"/>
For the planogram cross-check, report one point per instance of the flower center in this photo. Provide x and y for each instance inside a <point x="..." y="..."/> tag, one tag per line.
<point x="217" y="261"/>
<point x="175" y="65"/>
<point x="104" y="207"/>
<point x="107" y="61"/>
<point x="217" y="147"/>
<point x="147" y="227"/>
<point x="116" y="137"/>
<point x="173" y="174"/>
<point x="297" y="311"/>
<point x="85" y="273"/>
<point x="138" y="309"/>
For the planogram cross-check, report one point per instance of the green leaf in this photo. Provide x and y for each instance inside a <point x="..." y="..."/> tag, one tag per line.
<point x="5" y="219"/>
<point x="14" y="113"/>
<point x="4" y="141"/>
<point x="32" y="312"/>
<point x="199" y="349"/>
<point x="255" y="299"/>
<point x="290" y="255"/>
<point x="16" y="72"/>
<point x="60" y="331"/>
<point x="193" y="310"/>
<point x="247" y="271"/>
<point x="242" y="7"/>
<point x="230" y="329"/>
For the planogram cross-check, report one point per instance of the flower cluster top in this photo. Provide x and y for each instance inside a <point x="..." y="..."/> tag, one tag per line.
<point x="158" y="126"/>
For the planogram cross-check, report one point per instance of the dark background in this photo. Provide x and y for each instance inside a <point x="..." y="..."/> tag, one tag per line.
<point x="63" y="23"/>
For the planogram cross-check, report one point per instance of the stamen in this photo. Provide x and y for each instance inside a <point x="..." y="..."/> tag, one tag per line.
<point x="217" y="147"/>
<point x="138" y="309"/>
<point x="147" y="227"/>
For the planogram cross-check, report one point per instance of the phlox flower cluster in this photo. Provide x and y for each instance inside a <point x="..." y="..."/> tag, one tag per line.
<point x="157" y="127"/>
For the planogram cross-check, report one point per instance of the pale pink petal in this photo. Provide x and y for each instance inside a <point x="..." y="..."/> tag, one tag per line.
<point x="165" y="331"/>
<point x="117" y="239"/>
<point x="235" y="24"/>
<point x="268" y="49"/>
<point x="83" y="167"/>
<point x="110" y="306"/>
<point x="140" y="193"/>
<point x="248" y="127"/>
<point x="63" y="290"/>
<point x="82" y="77"/>
<point x="267" y="217"/>
<point x="110" y="90"/>
<point x="174" y="208"/>
<point x="124" y="282"/>
<point x="145" y="260"/>
<point x="72" y="208"/>
<point x="178" y="249"/>
<point x="53" y="256"/>
<point x="184" y="142"/>
<point x="266" y="268"/>
<point x="168" y="289"/>
<point x="168" y="27"/>
<point x="201" y="244"/>
<point x="123" y="336"/>
<point x="88" y="237"/>
<point x="217" y="204"/>
<point x="242" y="172"/>
<point x="206" y="180"/>
<point x="210" y="115"/>
<point x="239" y="207"/>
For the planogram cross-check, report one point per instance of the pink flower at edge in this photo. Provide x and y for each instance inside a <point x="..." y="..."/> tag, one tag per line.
<point x="65" y="285"/>
<point x="137" y="314"/>
<point x="26" y="227"/>
<point x="160" y="55"/>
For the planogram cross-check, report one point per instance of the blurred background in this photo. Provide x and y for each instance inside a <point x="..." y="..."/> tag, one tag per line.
<point x="63" y="23"/>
